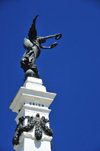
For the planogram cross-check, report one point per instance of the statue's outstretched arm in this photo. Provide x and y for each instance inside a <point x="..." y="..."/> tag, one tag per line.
<point x="50" y="47"/>
<point x="56" y="36"/>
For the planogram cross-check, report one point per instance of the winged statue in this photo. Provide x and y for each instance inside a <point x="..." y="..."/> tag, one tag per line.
<point x="33" y="45"/>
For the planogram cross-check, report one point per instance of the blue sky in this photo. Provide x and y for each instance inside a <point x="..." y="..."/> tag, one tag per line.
<point x="72" y="69"/>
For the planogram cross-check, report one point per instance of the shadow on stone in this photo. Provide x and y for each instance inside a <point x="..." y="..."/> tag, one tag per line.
<point x="37" y="144"/>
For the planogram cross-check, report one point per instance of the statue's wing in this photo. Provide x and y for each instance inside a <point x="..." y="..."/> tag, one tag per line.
<point x="33" y="32"/>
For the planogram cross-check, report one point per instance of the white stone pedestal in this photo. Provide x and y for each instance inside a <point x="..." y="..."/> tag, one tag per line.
<point x="31" y="99"/>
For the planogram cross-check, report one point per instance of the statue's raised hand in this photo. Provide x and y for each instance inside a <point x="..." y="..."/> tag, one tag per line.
<point x="58" y="36"/>
<point x="53" y="45"/>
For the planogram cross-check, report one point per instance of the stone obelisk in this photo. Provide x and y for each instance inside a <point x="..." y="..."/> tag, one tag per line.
<point x="32" y="101"/>
<point x="32" y="106"/>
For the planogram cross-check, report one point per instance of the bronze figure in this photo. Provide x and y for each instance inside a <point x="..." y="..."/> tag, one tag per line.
<point x="33" y="46"/>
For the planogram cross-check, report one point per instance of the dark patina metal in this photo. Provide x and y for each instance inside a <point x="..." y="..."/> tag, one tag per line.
<point x="37" y="122"/>
<point x="33" y="46"/>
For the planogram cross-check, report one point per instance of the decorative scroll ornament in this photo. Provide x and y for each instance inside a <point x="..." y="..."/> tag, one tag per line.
<point x="37" y="122"/>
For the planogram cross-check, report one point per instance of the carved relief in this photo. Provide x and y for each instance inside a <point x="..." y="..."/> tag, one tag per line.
<point x="33" y="122"/>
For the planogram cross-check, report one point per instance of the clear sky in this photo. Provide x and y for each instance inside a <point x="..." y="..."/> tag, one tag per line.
<point x="72" y="69"/>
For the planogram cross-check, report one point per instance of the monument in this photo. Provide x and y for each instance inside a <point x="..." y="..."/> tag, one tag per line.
<point x="33" y="132"/>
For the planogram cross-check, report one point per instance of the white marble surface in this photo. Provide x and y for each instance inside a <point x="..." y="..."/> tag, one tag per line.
<point x="29" y="144"/>
<point x="32" y="98"/>
<point x="32" y="93"/>
<point x="34" y="84"/>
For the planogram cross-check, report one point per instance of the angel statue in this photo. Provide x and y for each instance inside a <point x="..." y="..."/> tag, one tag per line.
<point x="33" y="46"/>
